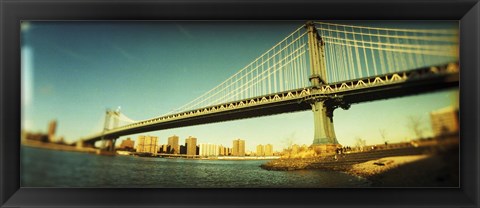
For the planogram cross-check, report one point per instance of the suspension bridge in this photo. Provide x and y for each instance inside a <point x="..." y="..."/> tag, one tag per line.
<point x="320" y="66"/>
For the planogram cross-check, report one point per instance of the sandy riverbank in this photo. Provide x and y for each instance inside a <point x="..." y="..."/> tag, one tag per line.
<point x="421" y="168"/>
<point x="374" y="167"/>
<point x="409" y="171"/>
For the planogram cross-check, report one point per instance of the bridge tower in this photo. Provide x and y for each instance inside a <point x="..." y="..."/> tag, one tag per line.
<point x="109" y="143"/>
<point x="324" y="140"/>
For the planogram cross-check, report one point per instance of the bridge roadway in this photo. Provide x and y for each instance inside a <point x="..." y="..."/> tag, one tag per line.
<point x="353" y="91"/>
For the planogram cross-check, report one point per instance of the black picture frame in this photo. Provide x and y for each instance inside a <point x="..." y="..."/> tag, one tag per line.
<point x="13" y="11"/>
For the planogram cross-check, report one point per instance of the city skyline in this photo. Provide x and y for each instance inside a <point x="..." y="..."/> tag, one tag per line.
<point x="169" y="142"/>
<point x="69" y="82"/>
<point x="152" y="144"/>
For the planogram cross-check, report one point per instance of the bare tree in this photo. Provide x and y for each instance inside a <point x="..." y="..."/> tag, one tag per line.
<point x="415" y="124"/>
<point x="360" y="143"/>
<point x="288" y="141"/>
<point x="383" y="134"/>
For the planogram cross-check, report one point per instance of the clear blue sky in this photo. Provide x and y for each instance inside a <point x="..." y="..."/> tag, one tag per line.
<point x="73" y="71"/>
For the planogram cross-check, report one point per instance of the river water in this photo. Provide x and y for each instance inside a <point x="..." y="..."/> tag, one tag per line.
<point x="50" y="168"/>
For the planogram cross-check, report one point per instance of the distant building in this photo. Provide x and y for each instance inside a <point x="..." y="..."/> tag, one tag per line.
<point x="183" y="150"/>
<point x="37" y="137"/>
<point x="147" y="144"/>
<point x="260" y="150"/>
<point x="224" y="151"/>
<point x="444" y="121"/>
<point x="209" y="150"/>
<point x="221" y="150"/>
<point x="173" y="144"/>
<point x="203" y="149"/>
<point x="127" y="144"/>
<point x="163" y="148"/>
<point x="52" y="127"/>
<point x="191" y="145"/>
<point x="238" y="147"/>
<point x="268" y="150"/>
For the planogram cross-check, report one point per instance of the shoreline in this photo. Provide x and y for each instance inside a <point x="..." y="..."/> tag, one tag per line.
<point x="68" y="148"/>
<point x="342" y="162"/>
<point x="438" y="167"/>
<point x="57" y="147"/>
<point x="407" y="167"/>
<point x="373" y="169"/>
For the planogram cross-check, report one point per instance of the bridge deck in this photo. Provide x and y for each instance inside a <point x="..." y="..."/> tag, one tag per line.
<point x="353" y="91"/>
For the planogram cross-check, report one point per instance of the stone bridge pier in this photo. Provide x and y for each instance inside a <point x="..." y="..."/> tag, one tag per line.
<point x="324" y="138"/>
<point x="108" y="144"/>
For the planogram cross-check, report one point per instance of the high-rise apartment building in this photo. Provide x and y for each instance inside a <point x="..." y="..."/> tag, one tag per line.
<point x="127" y="144"/>
<point x="209" y="150"/>
<point x="147" y="144"/>
<point x="223" y="151"/>
<point x="444" y="121"/>
<point x="52" y="127"/>
<point x="268" y="150"/>
<point x="238" y="147"/>
<point x="191" y="145"/>
<point x="203" y="148"/>
<point x="173" y="144"/>
<point x="260" y="150"/>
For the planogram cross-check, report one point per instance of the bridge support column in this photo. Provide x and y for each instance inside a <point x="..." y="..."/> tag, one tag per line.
<point x="109" y="144"/>
<point x="324" y="140"/>
<point x="108" y="147"/>
<point x="324" y="132"/>
<point x="112" y="147"/>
